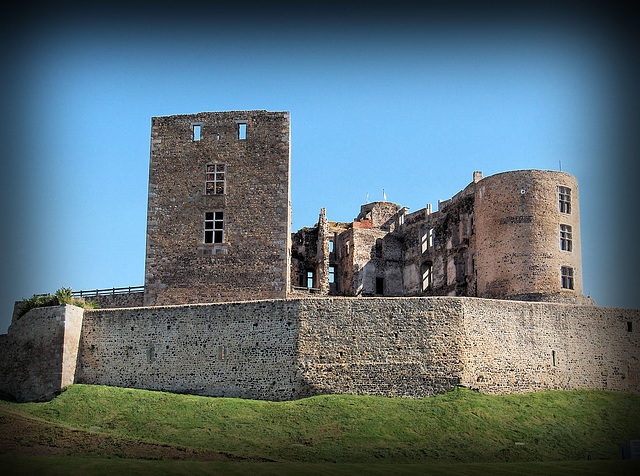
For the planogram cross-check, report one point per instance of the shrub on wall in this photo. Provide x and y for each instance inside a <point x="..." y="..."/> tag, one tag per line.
<point x="61" y="297"/>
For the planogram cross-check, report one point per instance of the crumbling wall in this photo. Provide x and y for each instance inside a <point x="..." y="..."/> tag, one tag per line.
<point x="368" y="261"/>
<point x="344" y="258"/>
<point x="304" y="249"/>
<point x="439" y="249"/>
<point x="380" y="214"/>
<point x="501" y="237"/>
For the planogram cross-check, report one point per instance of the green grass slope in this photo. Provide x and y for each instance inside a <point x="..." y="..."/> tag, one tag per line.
<point x="460" y="426"/>
<point x="72" y="466"/>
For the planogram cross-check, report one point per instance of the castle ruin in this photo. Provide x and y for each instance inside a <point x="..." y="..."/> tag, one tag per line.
<point x="485" y="291"/>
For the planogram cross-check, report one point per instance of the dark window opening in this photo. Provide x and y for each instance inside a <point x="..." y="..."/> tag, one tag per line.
<point x="629" y="326"/>
<point x="460" y="265"/>
<point x="214" y="227"/>
<point x="566" y="274"/>
<point x="566" y="238"/>
<point x="564" y="197"/>
<point x="380" y="286"/>
<point x="378" y="248"/>
<point x="215" y="179"/>
<point x="553" y="357"/>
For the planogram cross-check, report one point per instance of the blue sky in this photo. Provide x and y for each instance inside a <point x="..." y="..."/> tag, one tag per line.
<point x="411" y="101"/>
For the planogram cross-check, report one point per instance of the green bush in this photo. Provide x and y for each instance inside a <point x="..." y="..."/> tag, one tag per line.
<point x="61" y="297"/>
<point x="64" y="296"/>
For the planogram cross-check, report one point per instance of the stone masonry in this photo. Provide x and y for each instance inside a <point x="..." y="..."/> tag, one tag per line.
<point x="287" y="349"/>
<point x="514" y="235"/>
<point x="219" y="212"/>
<point x="484" y="292"/>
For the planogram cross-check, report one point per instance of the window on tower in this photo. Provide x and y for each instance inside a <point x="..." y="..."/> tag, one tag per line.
<point x="215" y="179"/>
<point x="214" y="227"/>
<point x="566" y="276"/>
<point x="566" y="238"/>
<point x="564" y="199"/>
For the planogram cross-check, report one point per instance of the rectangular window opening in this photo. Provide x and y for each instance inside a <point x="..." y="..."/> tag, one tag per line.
<point x="566" y="274"/>
<point x="309" y="279"/>
<point x="196" y="132"/>
<point x="332" y="274"/>
<point x="331" y="246"/>
<point x="378" y="248"/>
<point x="566" y="238"/>
<point x="564" y="198"/>
<point x="215" y="179"/>
<point x="380" y="286"/>
<point x="553" y="357"/>
<point x="629" y="326"/>
<point x="214" y="227"/>
<point x="242" y="131"/>
<point x="426" y="276"/>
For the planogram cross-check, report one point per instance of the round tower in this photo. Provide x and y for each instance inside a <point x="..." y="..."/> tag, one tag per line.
<point x="527" y="226"/>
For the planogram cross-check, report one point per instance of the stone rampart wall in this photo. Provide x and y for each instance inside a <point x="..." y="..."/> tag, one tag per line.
<point x="110" y="301"/>
<point x="288" y="349"/>
<point x="397" y="347"/>
<point x="243" y="350"/>
<point x="517" y="347"/>
<point x="39" y="353"/>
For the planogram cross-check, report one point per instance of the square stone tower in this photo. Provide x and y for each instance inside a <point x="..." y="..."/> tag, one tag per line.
<point x="219" y="219"/>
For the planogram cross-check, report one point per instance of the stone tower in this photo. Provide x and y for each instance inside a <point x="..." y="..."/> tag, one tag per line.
<point x="528" y="236"/>
<point x="218" y="226"/>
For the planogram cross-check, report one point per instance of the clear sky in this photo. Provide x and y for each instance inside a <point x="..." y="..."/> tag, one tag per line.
<point x="405" y="99"/>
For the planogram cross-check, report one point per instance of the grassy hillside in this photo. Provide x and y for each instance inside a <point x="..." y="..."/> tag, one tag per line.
<point x="460" y="426"/>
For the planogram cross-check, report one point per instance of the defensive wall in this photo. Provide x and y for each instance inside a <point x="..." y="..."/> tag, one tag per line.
<point x="288" y="349"/>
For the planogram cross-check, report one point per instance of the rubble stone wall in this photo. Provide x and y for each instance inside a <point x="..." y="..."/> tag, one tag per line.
<point x="39" y="353"/>
<point x="288" y="349"/>
<point x="516" y="347"/>
<point x="245" y="350"/>
<point x="517" y="222"/>
<point x="245" y="181"/>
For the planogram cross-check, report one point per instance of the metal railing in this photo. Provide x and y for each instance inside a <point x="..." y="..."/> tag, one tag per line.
<point x="108" y="291"/>
<point x="102" y="292"/>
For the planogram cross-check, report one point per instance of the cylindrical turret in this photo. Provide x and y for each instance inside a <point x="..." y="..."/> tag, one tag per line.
<point x="527" y="226"/>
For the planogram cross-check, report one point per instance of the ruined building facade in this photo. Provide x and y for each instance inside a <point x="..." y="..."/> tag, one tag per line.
<point x="514" y="235"/>
<point x="219" y="227"/>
